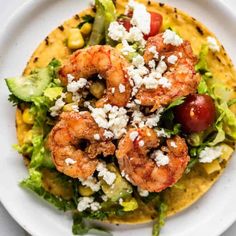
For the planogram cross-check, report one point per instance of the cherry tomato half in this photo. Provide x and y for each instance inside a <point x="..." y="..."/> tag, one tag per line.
<point x="126" y="23"/>
<point x="156" y="23"/>
<point x="196" y="114"/>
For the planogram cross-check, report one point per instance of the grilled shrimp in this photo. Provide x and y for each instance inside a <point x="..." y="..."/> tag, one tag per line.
<point x="67" y="138"/>
<point x="180" y="74"/>
<point x="105" y="61"/>
<point x="150" y="171"/>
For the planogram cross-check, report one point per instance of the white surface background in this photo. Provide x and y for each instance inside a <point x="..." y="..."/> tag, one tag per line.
<point x="8" y="227"/>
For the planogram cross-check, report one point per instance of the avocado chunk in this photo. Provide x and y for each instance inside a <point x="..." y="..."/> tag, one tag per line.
<point x="119" y="189"/>
<point x="33" y="85"/>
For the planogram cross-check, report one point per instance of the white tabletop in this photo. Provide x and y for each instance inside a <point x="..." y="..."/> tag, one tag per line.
<point x="8" y="227"/>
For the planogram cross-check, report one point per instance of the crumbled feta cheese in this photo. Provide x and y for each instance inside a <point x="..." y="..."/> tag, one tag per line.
<point x="143" y="192"/>
<point x="160" y="158"/>
<point x="108" y="134"/>
<point x="121" y="88"/>
<point x="111" y="117"/>
<point x="152" y="120"/>
<point x="209" y="154"/>
<point x="141" y="17"/>
<point x="133" y="135"/>
<point x="59" y="104"/>
<point x="108" y="176"/>
<point x="116" y="31"/>
<point x="153" y="50"/>
<point x="141" y="143"/>
<point x="74" y="86"/>
<point x="150" y="83"/>
<point x="104" y="198"/>
<point x="135" y="35"/>
<point x="170" y="37"/>
<point x="173" y="144"/>
<point x="152" y="64"/>
<point x="70" y="78"/>
<point x="91" y="182"/>
<point x="113" y="90"/>
<point x="99" y="76"/>
<point x="162" y="133"/>
<point x="95" y="206"/>
<point x="172" y="59"/>
<point x="121" y="201"/>
<point x="96" y="136"/>
<point x="126" y="49"/>
<point x="84" y="203"/>
<point x="75" y="107"/>
<point x="138" y="61"/>
<point x="87" y="202"/>
<point x="164" y="82"/>
<point x="213" y="45"/>
<point x="70" y="161"/>
<point x="123" y="174"/>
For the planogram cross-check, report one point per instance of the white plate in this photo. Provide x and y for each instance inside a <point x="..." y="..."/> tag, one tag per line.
<point x="211" y="215"/>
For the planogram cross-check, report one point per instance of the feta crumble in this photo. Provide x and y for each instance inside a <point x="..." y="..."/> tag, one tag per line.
<point x="173" y="144"/>
<point x="70" y="161"/>
<point x="212" y="44"/>
<point x="172" y="59"/>
<point x="141" y="17"/>
<point x="87" y="202"/>
<point x="160" y="158"/>
<point x="91" y="182"/>
<point x="74" y="86"/>
<point x="141" y="143"/>
<point x="170" y="37"/>
<point x="108" y="176"/>
<point x="59" y="104"/>
<point x="116" y="31"/>
<point x="121" y="88"/>
<point x="96" y="136"/>
<point x="108" y="134"/>
<point x="209" y="154"/>
<point x="126" y="49"/>
<point x="143" y="192"/>
<point x="133" y="135"/>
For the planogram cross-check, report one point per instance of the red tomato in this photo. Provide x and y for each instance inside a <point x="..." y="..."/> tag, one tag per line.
<point x="126" y="23"/>
<point x="196" y="114"/>
<point x="156" y="23"/>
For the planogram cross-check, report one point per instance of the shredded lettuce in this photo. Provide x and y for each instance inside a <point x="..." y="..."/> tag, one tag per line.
<point x="160" y="220"/>
<point x="105" y="14"/>
<point x="34" y="183"/>
<point x="202" y="66"/>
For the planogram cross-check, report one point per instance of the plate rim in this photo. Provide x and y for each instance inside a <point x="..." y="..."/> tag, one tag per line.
<point x="32" y="3"/>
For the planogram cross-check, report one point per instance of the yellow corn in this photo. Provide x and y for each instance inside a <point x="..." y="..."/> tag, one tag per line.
<point x="85" y="191"/>
<point x="226" y="152"/>
<point x="68" y="107"/>
<point x="212" y="167"/>
<point x="75" y="39"/>
<point x="119" y="47"/>
<point x="130" y="205"/>
<point x="28" y="137"/>
<point x="27" y="117"/>
<point x="86" y="29"/>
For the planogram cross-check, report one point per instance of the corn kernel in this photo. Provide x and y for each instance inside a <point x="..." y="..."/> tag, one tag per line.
<point x="68" y="107"/>
<point x="28" y="118"/>
<point x="212" y="167"/>
<point x="226" y="152"/>
<point x="85" y="191"/>
<point x="119" y="47"/>
<point x="75" y="39"/>
<point x="86" y="29"/>
<point x="130" y="205"/>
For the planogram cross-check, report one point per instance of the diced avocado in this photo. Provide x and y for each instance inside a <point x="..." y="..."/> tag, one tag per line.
<point x="119" y="189"/>
<point x="53" y="93"/>
<point x="26" y="87"/>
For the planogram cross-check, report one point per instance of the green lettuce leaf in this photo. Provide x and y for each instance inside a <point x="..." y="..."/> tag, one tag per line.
<point x="160" y="220"/>
<point x="34" y="183"/>
<point x="202" y="66"/>
<point x="105" y="14"/>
